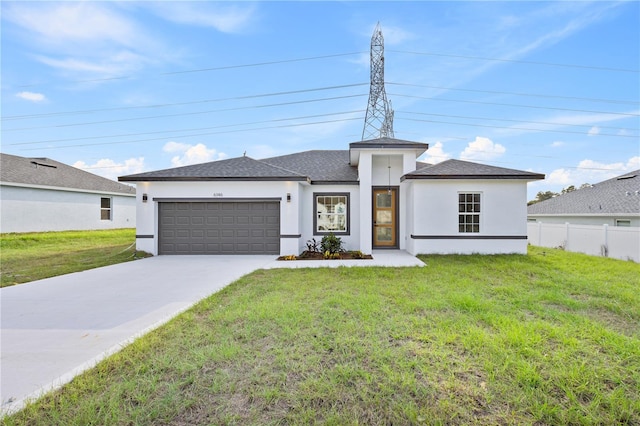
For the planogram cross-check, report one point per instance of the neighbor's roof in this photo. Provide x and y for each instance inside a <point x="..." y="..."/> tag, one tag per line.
<point x="51" y="173"/>
<point x="240" y="168"/>
<point x="619" y="195"/>
<point x="458" y="169"/>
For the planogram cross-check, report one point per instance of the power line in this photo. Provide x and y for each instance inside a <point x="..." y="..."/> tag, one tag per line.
<point x="198" y="134"/>
<point x="536" y="95"/>
<point x="518" y="128"/>
<point x="202" y="101"/>
<point x="517" y="105"/>
<point x="553" y="64"/>
<point x="284" y="61"/>
<point x="550" y="123"/>
<point x="188" y="113"/>
<point x="184" y="130"/>
<point x="259" y="64"/>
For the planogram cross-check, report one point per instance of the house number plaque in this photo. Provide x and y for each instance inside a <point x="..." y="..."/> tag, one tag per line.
<point x="218" y="194"/>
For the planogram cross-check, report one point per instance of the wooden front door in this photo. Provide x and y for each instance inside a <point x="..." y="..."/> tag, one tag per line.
<point x="385" y="212"/>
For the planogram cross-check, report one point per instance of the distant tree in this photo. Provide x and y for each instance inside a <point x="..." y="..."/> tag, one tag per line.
<point x="568" y="189"/>
<point x="585" y="185"/>
<point x="541" y="196"/>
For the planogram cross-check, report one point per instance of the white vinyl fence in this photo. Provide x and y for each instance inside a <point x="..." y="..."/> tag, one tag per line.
<point x="608" y="241"/>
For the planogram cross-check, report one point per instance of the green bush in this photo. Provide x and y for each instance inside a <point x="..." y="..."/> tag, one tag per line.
<point x="332" y="244"/>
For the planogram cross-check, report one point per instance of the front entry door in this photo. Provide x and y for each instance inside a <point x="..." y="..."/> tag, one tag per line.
<point x="385" y="206"/>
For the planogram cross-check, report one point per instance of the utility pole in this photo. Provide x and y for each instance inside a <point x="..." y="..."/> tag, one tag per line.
<point x="378" y="122"/>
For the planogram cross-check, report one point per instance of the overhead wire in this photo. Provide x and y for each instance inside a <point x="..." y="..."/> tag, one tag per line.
<point x="519" y="61"/>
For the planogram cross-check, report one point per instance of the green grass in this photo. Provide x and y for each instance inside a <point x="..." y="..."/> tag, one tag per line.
<point x="550" y="338"/>
<point x="32" y="256"/>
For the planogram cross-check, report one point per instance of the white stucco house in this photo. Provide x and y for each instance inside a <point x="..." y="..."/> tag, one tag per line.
<point x="40" y="194"/>
<point x="613" y="202"/>
<point x="375" y="195"/>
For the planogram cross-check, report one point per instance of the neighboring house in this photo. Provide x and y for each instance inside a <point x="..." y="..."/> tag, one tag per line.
<point x="373" y="196"/>
<point x="614" y="202"/>
<point x="40" y="194"/>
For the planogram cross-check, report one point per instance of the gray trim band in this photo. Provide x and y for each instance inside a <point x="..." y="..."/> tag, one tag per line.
<point x="468" y="237"/>
<point x="145" y="236"/>
<point x="290" y="235"/>
<point x="214" y="200"/>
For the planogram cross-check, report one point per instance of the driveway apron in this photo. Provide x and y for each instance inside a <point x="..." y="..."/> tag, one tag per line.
<point x="53" y="329"/>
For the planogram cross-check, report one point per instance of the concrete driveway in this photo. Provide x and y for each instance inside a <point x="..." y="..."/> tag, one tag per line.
<point x="53" y="329"/>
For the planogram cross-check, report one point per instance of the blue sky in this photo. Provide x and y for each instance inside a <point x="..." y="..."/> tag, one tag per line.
<point x="125" y="87"/>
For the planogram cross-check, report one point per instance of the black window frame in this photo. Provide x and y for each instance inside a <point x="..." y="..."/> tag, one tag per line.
<point x="347" y="214"/>
<point x="108" y="209"/>
<point x="469" y="212"/>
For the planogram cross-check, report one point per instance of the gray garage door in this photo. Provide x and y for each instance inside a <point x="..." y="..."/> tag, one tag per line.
<point x="219" y="227"/>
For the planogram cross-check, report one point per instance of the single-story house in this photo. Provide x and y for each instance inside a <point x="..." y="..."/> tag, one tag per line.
<point x="375" y="195"/>
<point x="614" y="202"/>
<point x="40" y="194"/>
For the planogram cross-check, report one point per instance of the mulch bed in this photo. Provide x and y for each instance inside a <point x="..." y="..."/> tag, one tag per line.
<point x="309" y="255"/>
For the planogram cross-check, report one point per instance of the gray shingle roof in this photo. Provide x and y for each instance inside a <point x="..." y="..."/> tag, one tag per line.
<point x="47" y="172"/>
<point x="320" y="166"/>
<point x="388" y="143"/>
<point x="240" y="168"/>
<point x="620" y="195"/>
<point x="458" y="169"/>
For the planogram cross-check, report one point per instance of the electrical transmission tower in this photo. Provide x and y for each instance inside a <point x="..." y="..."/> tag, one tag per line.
<point x="378" y="122"/>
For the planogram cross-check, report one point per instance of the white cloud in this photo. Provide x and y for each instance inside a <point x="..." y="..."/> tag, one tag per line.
<point x="482" y="149"/>
<point x="557" y="144"/>
<point x="111" y="169"/>
<point x="118" y="63"/>
<point x="191" y="154"/>
<point x="590" y="171"/>
<point x="95" y="39"/>
<point x="594" y="131"/>
<point x="73" y="22"/>
<point x="435" y="154"/>
<point x="31" y="96"/>
<point x="225" y="18"/>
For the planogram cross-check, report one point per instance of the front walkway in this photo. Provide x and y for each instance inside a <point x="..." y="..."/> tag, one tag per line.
<point x="56" y="328"/>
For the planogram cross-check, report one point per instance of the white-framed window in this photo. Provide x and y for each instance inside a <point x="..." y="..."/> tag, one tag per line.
<point x="469" y="212"/>
<point x="105" y="208"/>
<point x="331" y="213"/>
<point x="623" y="222"/>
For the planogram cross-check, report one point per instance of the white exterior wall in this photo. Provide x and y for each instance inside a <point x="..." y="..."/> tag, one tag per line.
<point x="351" y="241"/>
<point x="435" y="213"/>
<point x="29" y="209"/>
<point x="365" y="178"/>
<point x="147" y="213"/>
<point x="585" y="219"/>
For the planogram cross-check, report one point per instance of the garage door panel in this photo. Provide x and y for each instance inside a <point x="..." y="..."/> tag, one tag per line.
<point x="219" y="228"/>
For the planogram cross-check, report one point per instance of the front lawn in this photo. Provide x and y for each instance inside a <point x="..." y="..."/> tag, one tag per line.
<point x="549" y="338"/>
<point x="36" y="255"/>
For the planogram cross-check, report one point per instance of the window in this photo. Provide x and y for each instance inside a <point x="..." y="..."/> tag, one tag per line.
<point x="623" y="222"/>
<point x="469" y="212"/>
<point x="105" y="208"/>
<point x="331" y="213"/>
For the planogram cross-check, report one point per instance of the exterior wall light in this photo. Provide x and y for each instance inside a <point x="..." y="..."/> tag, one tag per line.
<point x="144" y="198"/>
<point x="288" y="197"/>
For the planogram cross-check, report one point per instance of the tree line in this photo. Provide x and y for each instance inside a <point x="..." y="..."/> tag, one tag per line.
<point x="545" y="195"/>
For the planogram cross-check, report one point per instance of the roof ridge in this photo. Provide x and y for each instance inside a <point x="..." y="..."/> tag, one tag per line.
<point x="278" y="167"/>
